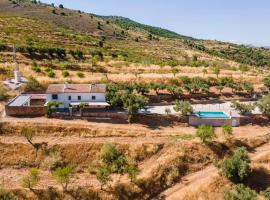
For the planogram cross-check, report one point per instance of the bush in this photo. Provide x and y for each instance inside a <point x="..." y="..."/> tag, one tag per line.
<point x="266" y="193"/>
<point x="53" y="161"/>
<point x="236" y="168"/>
<point x="263" y="105"/>
<point x="63" y="176"/>
<point x="206" y="133"/>
<point x="51" y="74"/>
<point x="184" y="107"/>
<point x="65" y="73"/>
<point x="80" y="74"/>
<point x="36" y="69"/>
<point x="227" y="130"/>
<point x="33" y="85"/>
<point x="240" y="192"/>
<point x="243" y="108"/>
<point x="28" y="133"/>
<point x="5" y="195"/>
<point x="31" y="179"/>
<point x="3" y="92"/>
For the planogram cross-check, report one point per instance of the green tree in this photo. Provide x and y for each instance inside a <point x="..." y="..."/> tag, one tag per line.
<point x="243" y="68"/>
<point x="266" y="82"/>
<point x="236" y="167"/>
<point x="183" y="107"/>
<point x="51" y="106"/>
<point x="65" y="73"/>
<point x="216" y="70"/>
<point x="240" y="192"/>
<point x="31" y="179"/>
<point x="168" y="111"/>
<point x="206" y="133"/>
<point x="132" y="103"/>
<point x="243" y="108"/>
<point x="103" y="176"/>
<point x="80" y="74"/>
<point x="63" y="176"/>
<point x="264" y="105"/>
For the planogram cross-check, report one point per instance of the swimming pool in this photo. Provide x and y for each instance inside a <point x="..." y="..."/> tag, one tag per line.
<point x="213" y="115"/>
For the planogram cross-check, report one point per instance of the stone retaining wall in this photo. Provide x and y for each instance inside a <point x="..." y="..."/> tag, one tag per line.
<point x="197" y="121"/>
<point x="25" y="111"/>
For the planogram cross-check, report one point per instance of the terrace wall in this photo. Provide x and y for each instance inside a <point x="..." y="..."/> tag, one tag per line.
<point x="25" y="111"/>
<point x="197" y="121"/>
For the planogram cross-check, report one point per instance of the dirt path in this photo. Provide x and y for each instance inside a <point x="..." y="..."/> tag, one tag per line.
<point x="197" y="179"/>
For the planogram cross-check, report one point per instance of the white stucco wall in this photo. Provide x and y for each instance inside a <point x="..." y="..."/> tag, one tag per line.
<point x="85" y="97"/>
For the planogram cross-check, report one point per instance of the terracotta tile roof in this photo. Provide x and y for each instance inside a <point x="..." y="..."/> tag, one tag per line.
<point x="76" y="88"/>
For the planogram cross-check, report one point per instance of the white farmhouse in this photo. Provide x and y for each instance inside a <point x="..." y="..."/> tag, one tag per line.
<point x="72" y="95"/>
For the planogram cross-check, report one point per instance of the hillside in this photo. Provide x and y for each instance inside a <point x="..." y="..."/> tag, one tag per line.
<point x="137" y="43"/>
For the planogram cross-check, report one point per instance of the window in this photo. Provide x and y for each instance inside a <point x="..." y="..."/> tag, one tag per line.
<point x="69" y="98"/>
<point x="93" y="97"/>
<point x="54" y="96"/>
<point x="79" y="98"/>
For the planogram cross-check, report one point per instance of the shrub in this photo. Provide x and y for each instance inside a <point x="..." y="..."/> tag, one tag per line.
<point x="53" y="161"/>
<point x="206" y="133"/>
<point x="266" y="193"/>
<point x="227" y="130"/>
<point x="51" y="74"/>
<point x="236" y="168"/>
<point x="264" y="105"/>
<point x="183" y="107"/>
<point x="63" y="176"/>
<point x="80" y="74"/>
<point x="266" y="82"/>
<point x="61" y="6"/>
<point x="168" y="111"/>
<point x="65" y="73"/>
<point x="5" y="195"/>
<point x="33" y="84"/>
<point x="243" y="108"/>
<point x="31" y="179"/>
<point x="36" y="69"/>
<point x="240" y="192"/>
<point x="103" y="176"/>
<point x="3" y="92"/>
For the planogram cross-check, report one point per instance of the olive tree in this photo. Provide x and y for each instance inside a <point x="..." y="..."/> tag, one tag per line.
<point x="113" y="161"/>
<point x="28" y="133"/>
<point x="240" y="192"/>
<point x="63" y="176"/>
<point x="206" y="133"/>
<point x="264" y="105"/>
<point x="31" y="179"/>
<point x="243" y="108"/>
<point x="236" y="167"/>
<point x="183" y="107"/>
<point x="132" y="103"/>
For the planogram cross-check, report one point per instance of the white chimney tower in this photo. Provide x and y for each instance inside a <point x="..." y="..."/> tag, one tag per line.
<point x="65" y="85"/>
<point x="17" y="75"/>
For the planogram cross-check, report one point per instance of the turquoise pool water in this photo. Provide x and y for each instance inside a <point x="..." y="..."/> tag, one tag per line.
<point x="216" y="115"/>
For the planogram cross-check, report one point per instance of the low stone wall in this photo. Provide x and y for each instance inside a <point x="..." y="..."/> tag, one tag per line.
<point x="25" y="111"/>
<point x="197" y="121"/>
<point x="116" y="115"/>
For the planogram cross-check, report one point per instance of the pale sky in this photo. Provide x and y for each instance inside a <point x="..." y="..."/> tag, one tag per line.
<point x="238" y="21"/>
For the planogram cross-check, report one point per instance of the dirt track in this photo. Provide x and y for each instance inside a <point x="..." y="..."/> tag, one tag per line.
<point x="199" y="178"/>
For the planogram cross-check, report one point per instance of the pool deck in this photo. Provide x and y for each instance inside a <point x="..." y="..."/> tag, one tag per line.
<point x="225" y="107"/>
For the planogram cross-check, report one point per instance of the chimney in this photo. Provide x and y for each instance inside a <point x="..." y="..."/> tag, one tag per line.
<point x="65" y="85"/>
